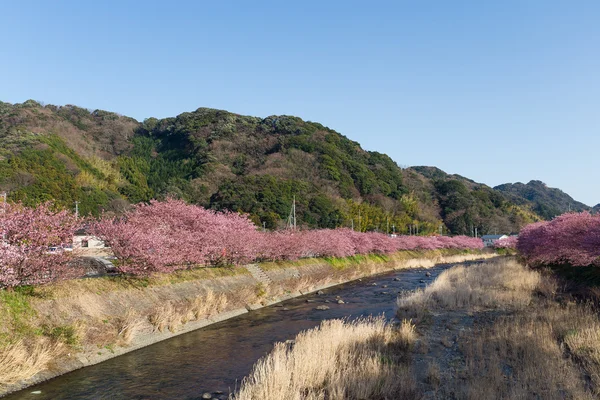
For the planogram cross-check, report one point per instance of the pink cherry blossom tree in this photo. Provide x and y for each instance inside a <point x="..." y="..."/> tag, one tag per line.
<point x="572" y="238"/>
<point x="27" y="235"/>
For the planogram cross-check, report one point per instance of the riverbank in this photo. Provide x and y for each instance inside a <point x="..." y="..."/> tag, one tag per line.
<point x="488" y="331"/>
<point x="54" y="329"/>
<point x="476" y="332"/>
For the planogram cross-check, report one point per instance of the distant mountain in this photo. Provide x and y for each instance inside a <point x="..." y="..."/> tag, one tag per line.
<point x="465" y="204"/>
<point x="543" y="200"/>
<point x="222" y="160"/>
<point x="596" y="209"/>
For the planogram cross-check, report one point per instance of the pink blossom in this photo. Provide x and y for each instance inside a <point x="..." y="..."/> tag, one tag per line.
<point x="27" y="234"/>
<point x="572" y="238"/>
<point x="506" y="243"/>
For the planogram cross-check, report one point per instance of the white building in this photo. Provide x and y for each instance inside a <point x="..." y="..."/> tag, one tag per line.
<point x="489" y="240"/>
<point x="83" y="240"/>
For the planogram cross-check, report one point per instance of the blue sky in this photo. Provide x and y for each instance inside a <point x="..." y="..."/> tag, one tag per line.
<point x="498" y="91"/>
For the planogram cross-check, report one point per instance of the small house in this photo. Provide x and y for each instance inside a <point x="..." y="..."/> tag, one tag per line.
<point x="83" y="240"/>
<point x="489" y="240"/>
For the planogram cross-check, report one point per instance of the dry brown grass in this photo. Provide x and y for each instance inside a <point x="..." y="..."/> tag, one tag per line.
<point x="522" y="344"/>
<point x="128" y="326"/>
<point x="433" y="374"/>
<point x="209" y="304"/>
<point x="22" y="360"/>
<point x="165" y="316"/>
<point x="172" y="315"/>
<point x="337" y="360"/>
<point x="521" y="356"/>
<point x="500" y="283"/>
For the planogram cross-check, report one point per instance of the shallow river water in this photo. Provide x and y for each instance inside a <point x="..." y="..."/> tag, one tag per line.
<point x="217" y="357"/>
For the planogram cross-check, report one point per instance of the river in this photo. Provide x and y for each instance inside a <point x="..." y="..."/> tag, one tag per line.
<point x="217" y="357"/>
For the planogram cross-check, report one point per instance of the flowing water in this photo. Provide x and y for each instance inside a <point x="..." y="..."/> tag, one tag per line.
<point x="217" y="357"/>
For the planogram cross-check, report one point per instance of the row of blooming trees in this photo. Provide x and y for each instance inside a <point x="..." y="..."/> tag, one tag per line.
<point x="572" y="238"/>
<point x="506" y="243"/>
<point x="27" y="235"/>
<point x="171" y="235"/>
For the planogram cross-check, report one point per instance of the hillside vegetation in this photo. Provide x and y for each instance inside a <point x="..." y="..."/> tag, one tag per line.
<point x="547" y="202"/>
<point x="222" y="160"/>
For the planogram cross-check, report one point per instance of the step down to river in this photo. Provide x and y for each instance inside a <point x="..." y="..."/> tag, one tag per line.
<point x="259" y="274"/>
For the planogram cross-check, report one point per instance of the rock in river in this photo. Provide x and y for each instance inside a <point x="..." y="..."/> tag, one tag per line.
<point x="322" y="308"/>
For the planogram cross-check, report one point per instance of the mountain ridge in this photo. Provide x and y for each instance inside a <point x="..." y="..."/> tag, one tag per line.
<point x="224" y="160"/>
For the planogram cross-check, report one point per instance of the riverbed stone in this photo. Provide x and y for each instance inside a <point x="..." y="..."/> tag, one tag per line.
<point x="322" y="308"/>
<point x="320" y="292"/>
<point x="384" y="286"/>
<point x="397" y="279"/>
<point x="421" y="281"/>
<point x="428" y="274"/>
<point x="340" y="301"/>
<point x="374" y="284"/>
<point x="207" y="396"/>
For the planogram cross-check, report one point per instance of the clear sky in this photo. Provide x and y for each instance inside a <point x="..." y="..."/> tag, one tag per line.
<point x="498" y="91"/>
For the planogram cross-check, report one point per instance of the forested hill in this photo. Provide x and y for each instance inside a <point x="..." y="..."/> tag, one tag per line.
<point x="545" y="201"/>
<point x="223" y="160"/>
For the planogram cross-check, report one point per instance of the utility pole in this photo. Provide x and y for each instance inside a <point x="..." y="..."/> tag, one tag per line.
<point x="264" y="226"/>
<point x="352" y="223"/>
<point x="76" y="210"/>
<point x="359" y="224"/>
<point x="292" y="217"/>
<point x="387" y="230"/>
<point x="394" y="228"/>
<point x="476" y="236"/>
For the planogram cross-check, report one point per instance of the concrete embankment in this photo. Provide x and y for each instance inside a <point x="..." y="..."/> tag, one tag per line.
<point x="75" y="324"/>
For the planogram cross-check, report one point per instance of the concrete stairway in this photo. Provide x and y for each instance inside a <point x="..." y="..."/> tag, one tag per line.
<point x="258" y="273"/>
